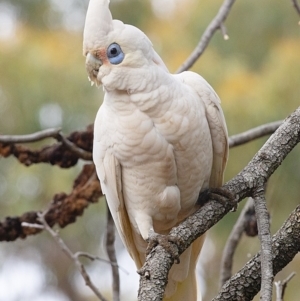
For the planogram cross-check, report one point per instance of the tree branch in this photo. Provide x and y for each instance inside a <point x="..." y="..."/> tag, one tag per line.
<point x="245" y="284"/>
<point x="264" y="234"/>
<point x="214" y="25"/>
<point x="232" y="243"/>
<point x="110" y="239"/>
<point x="79" y="152"/>
<point x="296" y="6"/>
<point x="281" y="286"/>
<point x="255" y="133"/>
<point x="73" y="257"/>
<point x="254" y="175"/>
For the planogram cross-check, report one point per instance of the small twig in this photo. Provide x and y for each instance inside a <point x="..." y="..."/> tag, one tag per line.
<point x="81" y="153"/>
<point x="255" y="133"/>
<point x="263" y="223"/>
<point x="73" y="257"/>
<point x="224" y="32"/>
<point x="34" y="137"/>
<point x="232" y="243"/>
<point x="296" y="6"/>
<point x="281" y="286"/>
<point x="92" y="258"/>
<point x="111" y="252"/>
<point x="35" y="226"/>
<point x="214" y="25"/>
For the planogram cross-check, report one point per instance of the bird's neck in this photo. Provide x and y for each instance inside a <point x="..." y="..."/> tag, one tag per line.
<point x="151" y="94"/>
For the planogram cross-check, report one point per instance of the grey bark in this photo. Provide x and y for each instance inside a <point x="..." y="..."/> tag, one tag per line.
<point x="245" y="284"/>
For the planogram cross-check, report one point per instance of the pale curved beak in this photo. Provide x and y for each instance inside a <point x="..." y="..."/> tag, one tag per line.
<point x="92" y="65"/>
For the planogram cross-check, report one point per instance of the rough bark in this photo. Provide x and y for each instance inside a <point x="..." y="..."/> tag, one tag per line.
<point x="57" y="154"/>
<point x="245" y="284"/>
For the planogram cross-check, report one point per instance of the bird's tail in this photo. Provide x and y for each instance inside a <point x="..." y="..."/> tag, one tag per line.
<point x="182" y="282"/>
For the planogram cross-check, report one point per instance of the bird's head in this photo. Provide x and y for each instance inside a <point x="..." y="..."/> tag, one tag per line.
<point x="115" y="52"/>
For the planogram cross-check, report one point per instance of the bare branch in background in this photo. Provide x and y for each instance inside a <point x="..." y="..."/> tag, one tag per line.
<point x="92" y="257"/>
<point x="73" y="257"/>
<point x="281" y="286"/>
<point x="111" y="252"/>
<point x="214" y="25"/>
<point x="255" y="133"/>
<point x="232" y="243"/>
<point x="263" y="224"/>
<point x="34" y="137"/>
<point x="296" y="6"/>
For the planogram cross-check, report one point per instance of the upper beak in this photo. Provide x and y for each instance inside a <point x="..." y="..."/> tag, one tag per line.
<point x="92" y="65"/>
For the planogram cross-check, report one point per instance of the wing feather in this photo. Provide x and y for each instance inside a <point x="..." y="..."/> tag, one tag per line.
<point x="109" y="171"/>
<point x="216" y="122"/>
<point x="114" y="196"/>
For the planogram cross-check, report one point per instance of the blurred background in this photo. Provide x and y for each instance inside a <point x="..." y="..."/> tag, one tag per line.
<point x="43" y="84"/>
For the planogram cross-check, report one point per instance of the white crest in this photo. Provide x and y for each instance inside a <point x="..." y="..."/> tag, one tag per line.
<point x="98" y="24"/>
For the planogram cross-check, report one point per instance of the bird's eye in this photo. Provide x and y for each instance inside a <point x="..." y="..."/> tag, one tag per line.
<point x="115" y="54"/>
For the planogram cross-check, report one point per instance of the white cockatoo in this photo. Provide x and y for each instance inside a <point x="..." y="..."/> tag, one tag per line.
<point x="159" y="140"/>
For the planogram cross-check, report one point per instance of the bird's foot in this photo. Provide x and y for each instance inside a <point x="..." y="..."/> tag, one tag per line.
<point x="220" y="195"/>
<point x="169" y="243"/>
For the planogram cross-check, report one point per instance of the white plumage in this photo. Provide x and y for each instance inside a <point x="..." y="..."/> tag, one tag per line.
<point x="159" y="139"/>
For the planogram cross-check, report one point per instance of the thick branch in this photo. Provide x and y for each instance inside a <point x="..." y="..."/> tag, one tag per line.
<point x="255" y="174"/>
<point x="245" y="284"/>
<point x="63" y="209"/>
<point x="214" y="25"/>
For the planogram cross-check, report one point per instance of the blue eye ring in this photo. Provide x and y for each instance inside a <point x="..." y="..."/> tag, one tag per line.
<point x="115" y="54"/>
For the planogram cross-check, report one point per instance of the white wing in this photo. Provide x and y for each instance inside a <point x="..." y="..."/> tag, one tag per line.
<point x="217" y="125"/>
<point x="110" y="175"/>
